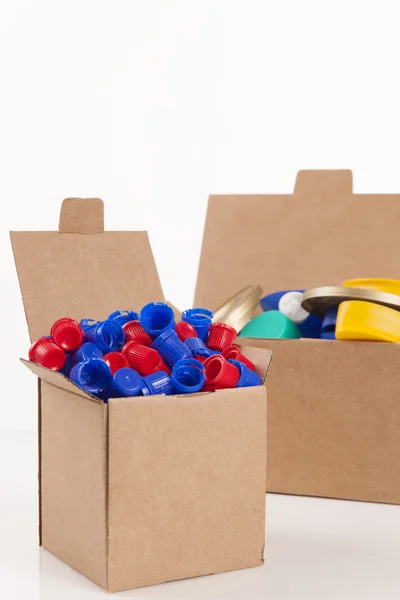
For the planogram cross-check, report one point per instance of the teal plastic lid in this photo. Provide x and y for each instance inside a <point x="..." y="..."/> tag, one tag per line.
<point x="271" y="324"/>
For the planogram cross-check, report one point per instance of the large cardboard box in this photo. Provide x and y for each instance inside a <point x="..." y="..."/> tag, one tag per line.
<point x="140" y="490"/>
<point x="334" y="407"/>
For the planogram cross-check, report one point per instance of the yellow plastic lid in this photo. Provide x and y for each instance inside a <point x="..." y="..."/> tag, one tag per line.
<point x="391" y="286"/>
<point x="357" y="320"/>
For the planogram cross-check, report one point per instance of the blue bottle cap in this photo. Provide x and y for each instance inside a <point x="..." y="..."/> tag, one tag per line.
<point x="123" y="316"/>
<point x="157" y="317"/>
<point x="288" y="302"/>
<point x="86" y="323"/>
<point x="188" y="376"/>
<point x="92" y="375"/>
<point x="328" y="329"/>
<point x="194" y="344"/>
<point x="248" y="378"/>
<point x="107" y="335"/>
<point x="206" y="352"/>
<point x="126" y="382"/>
<point x="200" y="319"/>
<point x="170" y="347"/>
<point x="157" y="383"/>
<point x="84" y="352"/>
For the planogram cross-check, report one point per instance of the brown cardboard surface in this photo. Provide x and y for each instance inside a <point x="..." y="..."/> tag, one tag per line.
<point x="59" y="380"/>
<point x="73" y="486"/>
<point x="333" y="416"/>
<point x="76" y="275"/>
<point x="321" y="235"/>
<point x="334" y="419"/>
<point x="190" y="500"/>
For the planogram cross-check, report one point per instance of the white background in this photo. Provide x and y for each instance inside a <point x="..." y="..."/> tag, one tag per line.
<point x="152" y="105"/>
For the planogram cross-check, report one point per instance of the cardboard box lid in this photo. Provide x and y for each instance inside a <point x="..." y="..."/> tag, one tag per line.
<point x="82" y="270"/>
<point x="322" y="234"/>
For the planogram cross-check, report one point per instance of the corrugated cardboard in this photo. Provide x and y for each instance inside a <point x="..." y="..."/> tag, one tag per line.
<point x="334" y="414"/>
<point x="140" y="490"/>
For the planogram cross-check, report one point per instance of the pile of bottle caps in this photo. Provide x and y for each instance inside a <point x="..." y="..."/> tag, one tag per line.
<point x="130" y="354"/>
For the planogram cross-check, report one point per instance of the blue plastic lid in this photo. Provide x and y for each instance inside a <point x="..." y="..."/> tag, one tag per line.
<point x="157" y="317"/>
<point x="170" y="347"/>
<point x="188" y="376"/>
<point x="157" y="383"/>
<point x="126" y="382"/>
<point x="86" y="323"/>
<point x="107" y="335"/>
<point x="194" y="344"/>
<point x="248" y="377"/>
<point x="123" y="316"/>
<point x="84" y="352"/>
<point x="160" y="339"/>
<point x="200" y="319"/>
<point x="328" y="329"/>
<point x="206" y="352"/>
<point x="92" y="375"/>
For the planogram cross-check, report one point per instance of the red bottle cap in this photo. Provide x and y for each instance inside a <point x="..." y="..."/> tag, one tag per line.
<point x="134" y="332"/>
<point x="219" y="373"/>
<point x="234" y="352"/>
<point x="185" y="330"/>
<point x="67" y="334"/>
<point x="220" y="336"/>
<point x="46" y="353"/>
<point x="141" y="358"/>
<point x="116" y="361"/>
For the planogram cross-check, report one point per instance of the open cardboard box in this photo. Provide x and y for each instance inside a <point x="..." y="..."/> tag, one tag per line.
<point x="333" y="407"/>
<point x="140" y="490"/>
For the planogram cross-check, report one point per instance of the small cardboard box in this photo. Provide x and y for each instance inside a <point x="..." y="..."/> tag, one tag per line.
<point x="334" y="407"/>
<point x="140" y="490"/>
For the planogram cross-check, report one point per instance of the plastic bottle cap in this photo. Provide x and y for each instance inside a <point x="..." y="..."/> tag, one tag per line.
<point x="116" y="361"/>
<point x="367" y="321"/>
<point x="248" y="378"/>
<point x="391" y="286"/>
<point x="126" y="382"/>
<point x="84" y="352"/>
<point x="220" y="373"/>
<point x="170" y="348"/>
<point x="92" y="375"/>
<point x="329" y="324"/>
<point x="107" y="335"/>
<point x="135" y="332"/>
<point x="185" y="330"/>
<point x="193" y="344"/>
<point x="233" y="352"/>
<point x="273" y="325"/>
<point x="123" y="316"/>
<point x="141" y="358"/>
<point x="157" y="317"/>
<point x="67" y="333"/>
<point x="220" y="336"/>
<point x="86" y="323"/>
<point x="158" y="382"/>
<point x="46" y="353"/>
<point x="188" y="376"/>
<point x="200" y="319"/>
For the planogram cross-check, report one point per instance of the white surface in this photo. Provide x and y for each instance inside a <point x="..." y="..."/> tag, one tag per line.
<point x="315" y="549"/>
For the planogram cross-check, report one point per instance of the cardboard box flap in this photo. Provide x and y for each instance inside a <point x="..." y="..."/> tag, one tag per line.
<point x="83" y="271"/>
<point x="58" y="380"/>
<point x="322" y="234"/>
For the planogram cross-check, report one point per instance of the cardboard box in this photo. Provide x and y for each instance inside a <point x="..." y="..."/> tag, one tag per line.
<point x="140" y="490"/>
<point x="333" y="408"/>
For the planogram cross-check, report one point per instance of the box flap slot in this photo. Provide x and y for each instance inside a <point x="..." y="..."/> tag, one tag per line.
<point x="75" y="275"/>
<point x="321" y="235"/>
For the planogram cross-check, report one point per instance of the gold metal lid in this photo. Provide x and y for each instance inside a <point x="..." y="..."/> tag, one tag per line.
<point x="240" y="308"/>
<point x="318" y="300"/>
